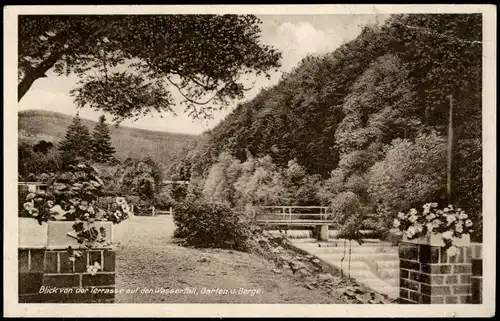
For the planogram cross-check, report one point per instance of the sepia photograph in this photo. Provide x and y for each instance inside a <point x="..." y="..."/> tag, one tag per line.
<point x="301" y="160"/>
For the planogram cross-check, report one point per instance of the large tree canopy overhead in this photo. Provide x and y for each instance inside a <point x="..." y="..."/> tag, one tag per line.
<point x="128" y="64"/>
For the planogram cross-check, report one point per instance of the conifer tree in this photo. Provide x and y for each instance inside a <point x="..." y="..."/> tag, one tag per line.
<point x="102" y="151"/>
<point x="77" y="142"/>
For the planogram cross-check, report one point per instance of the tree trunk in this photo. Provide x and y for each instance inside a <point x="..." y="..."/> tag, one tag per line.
<point x="38" y="72"/>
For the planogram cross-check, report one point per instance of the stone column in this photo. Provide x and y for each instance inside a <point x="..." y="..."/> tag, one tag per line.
<point x="429" y="276"/>
<point x="323" y="234"/>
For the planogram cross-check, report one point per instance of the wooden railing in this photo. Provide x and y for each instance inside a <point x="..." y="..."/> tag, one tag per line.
<point x="157" y="212"/>
<point x="293" y="215"/>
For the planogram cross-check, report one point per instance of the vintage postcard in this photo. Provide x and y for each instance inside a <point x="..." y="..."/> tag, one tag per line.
<point x="217" y="161"/>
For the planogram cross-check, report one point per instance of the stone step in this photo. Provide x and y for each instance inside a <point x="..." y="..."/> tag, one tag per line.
<point x="386" y="264"/>
<point x="368" y="249"/>
<point x="389" y="274"/>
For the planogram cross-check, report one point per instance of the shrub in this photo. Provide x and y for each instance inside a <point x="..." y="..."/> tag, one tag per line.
<point x="348" y="215"/>
<point x="215" y="225"/>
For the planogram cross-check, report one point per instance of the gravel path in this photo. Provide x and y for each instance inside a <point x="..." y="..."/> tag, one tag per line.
<point x="148" y="261"/>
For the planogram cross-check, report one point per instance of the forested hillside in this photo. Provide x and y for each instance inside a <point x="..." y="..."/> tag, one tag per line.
<point x="366" y="123"/>
<point x="35" y="125"/>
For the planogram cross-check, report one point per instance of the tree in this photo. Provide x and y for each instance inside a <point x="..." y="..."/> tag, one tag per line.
<point x="77" y="142"/>
<point x="125" y="62"/>
<point x="411" y="174"/>
<point x="102" y="151"/>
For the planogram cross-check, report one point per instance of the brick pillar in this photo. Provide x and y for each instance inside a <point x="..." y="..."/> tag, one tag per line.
<point x="477" y="273"/>
<point x="48" y="276"/>
<point x="429" y="276"/>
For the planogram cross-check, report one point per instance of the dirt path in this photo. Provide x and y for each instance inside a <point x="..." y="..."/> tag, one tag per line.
<point x="147" y="259"/>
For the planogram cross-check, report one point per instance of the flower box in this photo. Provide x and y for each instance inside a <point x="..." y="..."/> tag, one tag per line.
<point x="437" y="240"/>
<point x="55" y="234"/>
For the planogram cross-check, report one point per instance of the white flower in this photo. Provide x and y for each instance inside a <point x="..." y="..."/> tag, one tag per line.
<point x="450" y="207"/>
<point x="125" y="208"/>
<point x="434" y="204"/>
<point x="426" y="210"/>
<point x="396" y="223"/>
<point x="452" y="251"/>
<point x="120" y="200"/>
<point x="462" y="215"/>
<point x="447" y="235"/>
<point x="411" y="231"/>
<point x="430" y="227"/>
<point x="413" y="218"/>
<point x="459" y="228"/>
<point x="446" y="210"/>
<point x="436" y="223"/>
<point x="29" y="206"/>
<point x="92" y="269"/>
<point x="413" y="211"/>
<point x="468" y="223"/>
<point x="401" y="215"/>
<point x="450" y="219"/>
<point x="430" y="217"/>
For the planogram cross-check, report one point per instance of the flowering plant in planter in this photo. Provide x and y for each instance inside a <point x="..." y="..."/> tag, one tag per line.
<point x="449" y="223"/>
<point x="72" y="196"/>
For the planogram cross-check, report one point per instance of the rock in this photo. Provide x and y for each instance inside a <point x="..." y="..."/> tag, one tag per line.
<point x="285" y="257"/>
<point x="325" y="276"/>
<point x="303" y="273"/>
<point x="364" y="298"/>
<point x="203" y="260"/>
<point x="310" y="286"/>
<point x="316" y="261"/>
<point x="277" y="271"/>
<point x="349" y="292"/>
<point x="378" y="296"/>
<point x="309" y="257"/>
<point x="297" y="265"/>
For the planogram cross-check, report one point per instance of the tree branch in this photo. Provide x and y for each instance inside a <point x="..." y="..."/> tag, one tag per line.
<point x="39" y="72"/>
<point x="189" y="99"/>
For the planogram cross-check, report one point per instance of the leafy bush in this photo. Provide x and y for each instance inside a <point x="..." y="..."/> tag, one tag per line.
<point x="206" y="224"/>
<point x="164" y="202"/>
<point x="348" y="215"/>
<point x="412" y="173"/>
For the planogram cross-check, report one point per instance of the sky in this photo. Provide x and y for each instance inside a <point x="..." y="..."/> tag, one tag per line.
<point x="294" y="35"/>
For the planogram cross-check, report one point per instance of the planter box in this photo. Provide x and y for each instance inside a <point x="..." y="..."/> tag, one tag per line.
<point x="44" y="263"/>
<point x="437" y="240"/>
<point x="53" y="234"/>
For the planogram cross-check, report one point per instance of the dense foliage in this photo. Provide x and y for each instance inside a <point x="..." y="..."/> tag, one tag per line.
<point x="368" y="120"/>
<point x="208" y="224"/>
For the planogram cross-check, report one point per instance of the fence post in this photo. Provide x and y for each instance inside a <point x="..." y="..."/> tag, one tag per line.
<point x="153" y="211"/>
<point x="170" y="210"/>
